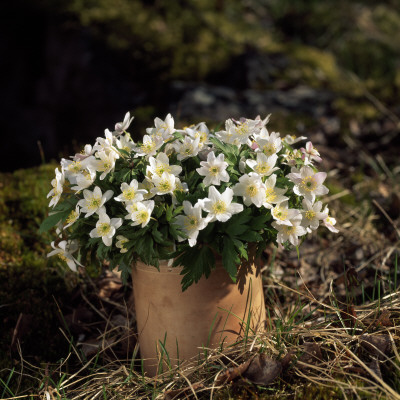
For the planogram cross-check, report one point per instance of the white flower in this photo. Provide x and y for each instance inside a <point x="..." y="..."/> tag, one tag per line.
<point x="308" y="183"/>
<point x="84" y="179"/>
<point x="188" y="148"/>
<point x="199" y="131"/>
<point x="268" y="143"/>
<point x="329" y="221"/>
<point x="105" y="228"/>
<point x="251" y="188"/>
<point x="140" y="212"/>
<point x="58" y="184"/>
<point x="310" y="153"/>
<point x="219" y="206"/>
<point x="164" y="184"/>
<point x="292" y="139"/>
<point x="192" y="222"/>
<point x="214" y="169"/>
<point x="106" y="144"/>
<point x="72" y="217"/>
<point x="72" y="169"/>
<point x="312" y="214"/>
<point x="290" y="232"/>
<point x="121" y="127"/>
<point x="228" y="137"/>
<point x="273" y="195"/>
<point x="149" y="146"/>
<point x="125" y="142"/>
<point x="121" y="242"/>
<point x="264" y="165"/>
<point x="160" y="164"/>
<point x="64" y="251"/>
<point x="131" y="192"/>
<point x="93" y="201"/>
<point x="240" y="131"/>
<point x="86" y="152"/>
<point x="105" y="162"/>
<point x="284" y="215"/>
<point x="163" y="129"/>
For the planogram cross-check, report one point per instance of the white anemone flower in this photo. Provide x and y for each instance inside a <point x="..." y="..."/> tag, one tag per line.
<point x="228" y="136"/>
<point x="160" y="164"/>
<point x="106" y="144"/>
<point x="131" y="192"/>
<point x="149" y="146"/>
<point x="164" y="184"/>
<point x="263" y="165"/>
<point x="273" y="194"/>
<point x="329" y="221"/>
<point x="292" y="139"/>
<point x="310" y="153"/>
<point x="290" y="232"/>
<point x="121" y="242"/>
<point x="200" y="131"/>
<point x="121" y="127"/>
<point x="312" y="214"/>
<point x="269" y="144"/>
<point x="283" y="215"/>
<point x="140" y="212"/>
<point x="84" y="179"/>
<point x="64" y="250"/>
<point x="125" y="142"/>
<point x="188" y="148"/>
<point x="251" y="188"/>
<point x="72" y="169"/>
<point x="192" y="222"/>
<point x="308" y="183"/>
<point x="85" y="153"/>
<point x="163" y="129"/>
<point x="93" y="201"/>
<point x="72" y="217"/>
<point x="219" y="206"/>
<point x="58" y="185"/>
<point x="214" y="169"/>
<point x="241" y="130"/>
<point x="105" y="228"/>
<point x="105" y="162"/>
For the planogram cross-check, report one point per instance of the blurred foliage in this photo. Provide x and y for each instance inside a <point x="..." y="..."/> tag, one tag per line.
<point x="174" y="39"/>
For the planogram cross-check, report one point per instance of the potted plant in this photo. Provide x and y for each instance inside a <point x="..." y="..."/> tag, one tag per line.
<point x="188" y="212"/>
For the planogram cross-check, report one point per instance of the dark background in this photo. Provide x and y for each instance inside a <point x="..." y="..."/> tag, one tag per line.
<point x="70" y="69"/>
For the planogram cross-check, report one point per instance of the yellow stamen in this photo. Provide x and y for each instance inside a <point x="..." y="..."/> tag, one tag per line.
<point x="309" y="183"/>
<point x="219" y="207"/>
<point x="103" y="229"/>
<point x="310" y="214"/>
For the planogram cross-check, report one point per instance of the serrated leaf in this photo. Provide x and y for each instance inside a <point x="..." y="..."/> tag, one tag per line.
<point x="53" y="220"/>
<point x="168" y="213"/>
<point x="251" y="237"/>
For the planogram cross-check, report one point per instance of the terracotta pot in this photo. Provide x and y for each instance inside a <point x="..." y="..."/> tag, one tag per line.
<point x="209" y="313"/>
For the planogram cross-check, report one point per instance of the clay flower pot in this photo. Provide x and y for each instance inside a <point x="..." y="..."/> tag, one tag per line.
<point x="208" y="314"/>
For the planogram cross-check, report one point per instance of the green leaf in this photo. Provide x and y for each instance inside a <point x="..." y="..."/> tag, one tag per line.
<point x="258" y="223"/>
<point x="251" y="236"/>
<point x="168" y="213"/>
<point x="53" y="220"/>
<point x="126" y="270"/>
<point x="196" y="263"/>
